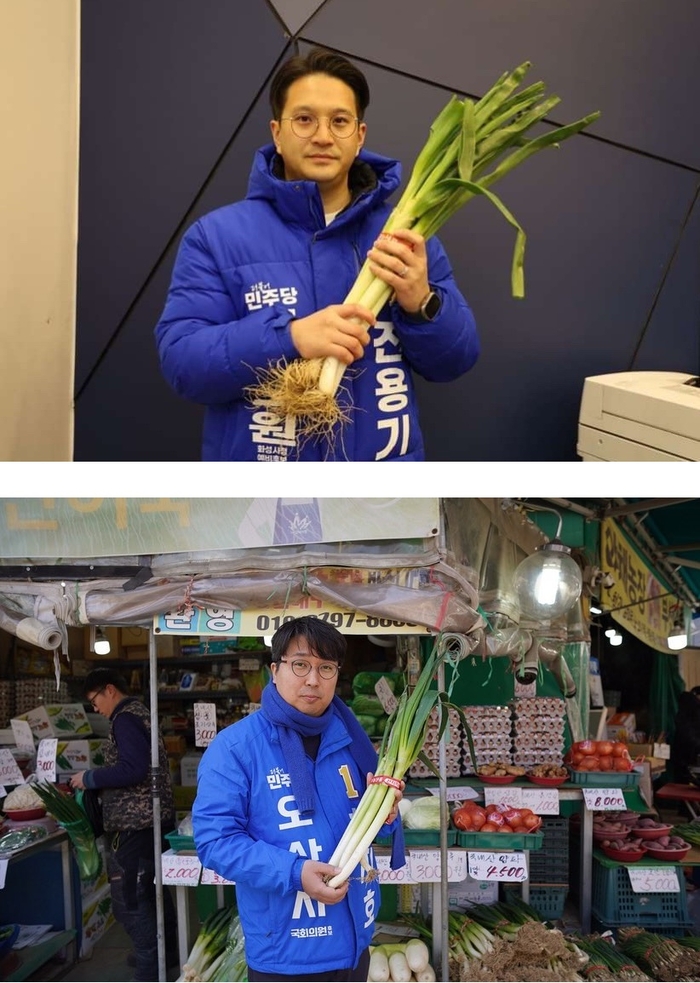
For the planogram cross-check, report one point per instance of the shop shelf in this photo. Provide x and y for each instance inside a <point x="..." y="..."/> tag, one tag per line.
<point x="421" y="837"/>
<point x="605" y="779"/>
<point x="547" y="901"/>
<point x="614" y="903"/>
<point x="500" y="841"/>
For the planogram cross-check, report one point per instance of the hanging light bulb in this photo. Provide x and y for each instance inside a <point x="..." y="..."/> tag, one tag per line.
<point x="99" y="642"/>
<point x="615" y="639"/>
<point x="595" y="608"/>
<point x="548" y="582"/>
<point x="678" y="636"/>
<point x="609" y="632"/>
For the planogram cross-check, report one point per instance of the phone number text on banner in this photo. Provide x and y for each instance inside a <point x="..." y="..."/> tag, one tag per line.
<point x="227" y="622"/>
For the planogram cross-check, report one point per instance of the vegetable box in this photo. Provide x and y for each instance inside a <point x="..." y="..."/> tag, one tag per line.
<point x="97" y="916"/>
<point x="72" y="756"/>
<point x="57" y="720"/>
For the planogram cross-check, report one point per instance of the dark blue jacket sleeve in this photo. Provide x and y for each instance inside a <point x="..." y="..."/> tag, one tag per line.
<point x="134" y="756"/>
<point x="206" y="353"/>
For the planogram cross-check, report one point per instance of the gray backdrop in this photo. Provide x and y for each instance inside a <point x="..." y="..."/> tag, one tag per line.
<point x="174" y="104"/>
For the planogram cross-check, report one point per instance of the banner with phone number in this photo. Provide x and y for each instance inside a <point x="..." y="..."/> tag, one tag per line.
<point x="225" y="622"/>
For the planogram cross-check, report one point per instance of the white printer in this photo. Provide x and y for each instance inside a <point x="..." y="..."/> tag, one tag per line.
<point x="640" y="416"/>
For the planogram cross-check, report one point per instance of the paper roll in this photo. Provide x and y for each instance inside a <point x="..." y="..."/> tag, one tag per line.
<point x="35" y="631"/>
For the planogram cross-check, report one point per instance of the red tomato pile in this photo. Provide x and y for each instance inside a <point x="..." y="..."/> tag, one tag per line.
<point x="473" y="818"/>
<point x="598" y="756"/>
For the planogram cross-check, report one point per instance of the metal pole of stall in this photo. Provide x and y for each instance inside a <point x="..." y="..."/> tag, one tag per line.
<point x="444" y="822"/>
<point x="155" y="793"/>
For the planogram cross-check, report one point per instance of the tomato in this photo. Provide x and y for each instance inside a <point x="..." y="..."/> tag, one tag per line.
<point x="619" y="750"/>
<point x="478" y="820"/>
<point x="604" y="748"/>
<point x="521" y="829"/>
<point x="591" y="762"/>
<point x="606" y="763"/>
<point x="512" y="816"/>
<point x="505" y="828"/>
<point x="576" y="758"/>
<point x="462" y="819"/>
<point x="588" y="747"/>
<point x="532" y="822"/>
<point x="489" y="828"/>
<point x="495" y="816"/>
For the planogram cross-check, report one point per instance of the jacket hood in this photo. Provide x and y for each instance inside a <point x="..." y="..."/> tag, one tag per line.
<point x="372" y="180"/>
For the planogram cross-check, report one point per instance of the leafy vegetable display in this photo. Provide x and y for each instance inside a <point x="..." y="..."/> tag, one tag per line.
<point x="72" y="817"/>
<point x="471" y="146"/>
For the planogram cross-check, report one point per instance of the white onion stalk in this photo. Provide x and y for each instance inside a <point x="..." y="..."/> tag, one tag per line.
<point x="402" y="744"/>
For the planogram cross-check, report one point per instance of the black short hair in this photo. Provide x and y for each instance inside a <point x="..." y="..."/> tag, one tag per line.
<point x="318" y="61"/>
<point x="324" y="639"/>
<point x="102" y="676"/>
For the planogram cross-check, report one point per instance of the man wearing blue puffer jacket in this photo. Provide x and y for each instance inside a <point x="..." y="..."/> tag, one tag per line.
<point x="275" y="792"/>
<point x="263" y="281"/>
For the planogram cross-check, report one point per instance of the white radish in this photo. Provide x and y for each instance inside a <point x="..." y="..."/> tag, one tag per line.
<point x="399" y="968"/>
<point x="378" y="966"/>
<point x="417" y="954"/>
<point x="426" y="975"/>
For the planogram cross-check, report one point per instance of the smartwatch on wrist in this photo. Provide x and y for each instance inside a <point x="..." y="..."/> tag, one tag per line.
<point x="428" y="310"/>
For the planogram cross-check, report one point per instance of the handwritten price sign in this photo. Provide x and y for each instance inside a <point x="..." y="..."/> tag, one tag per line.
<point x="497" y="866"/>
<point x="180" y="869"/>
<point x="654" y="880"/>
<point x="389" y="876"/>
<point x="512" y="797"/>
<point x="211" y="877"/>
<point x="204" y="724"/>
<point x="457" y="794"/>
<point x="9" y="769"/>
<point x="604" y="799"/>
<point x="543" y="801"/>
<point x="426" y="865"/>
<point x="46" y="759"/>
<point x="22" y="732"/>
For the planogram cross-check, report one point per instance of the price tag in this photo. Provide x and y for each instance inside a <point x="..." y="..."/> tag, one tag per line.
<point x="456" y="794"/>
<point x="180" y="869"/>
<point x="543" y="801"/>
<point x="388" y="876"/>
<point x="654" y="880"/>
<point x="46" y="759"/>
<point x="497" y="866"/>
<point x="24" y="738"/>
<point x="204" y="723"/>
<point x="604" y="799"/>
<point x="386" y="697"/>
<point x="426" y="865"/>
<point x="9" y="769"/>
<point x="3" y="872"/>
<point x="248" y="665"/>
<point x="503" y="796"/>
<point x="211" y="877"/>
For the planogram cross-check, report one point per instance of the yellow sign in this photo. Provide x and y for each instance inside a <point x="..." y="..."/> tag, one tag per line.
<point x="646" y="607"/>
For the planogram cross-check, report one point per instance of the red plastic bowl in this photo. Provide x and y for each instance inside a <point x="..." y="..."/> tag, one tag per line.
<point x="673" y="856"/>
<point x="622" y="835"/>
<point x="497" y="779"/>
<point x="623" y="856"/>
<point x="651" y="834"/>
<point x="550" y="782"/>
<point x="21" y="815"/>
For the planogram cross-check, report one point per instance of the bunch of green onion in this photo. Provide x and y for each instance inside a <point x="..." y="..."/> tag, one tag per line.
<point x="607" y="962"/>
<point x="209" y="951"/>
<point x="74" y="820"/>
<point x="503" y="919"/>
<point x="471" y="146"/>
<point x="663" y="958"/>
<point x="402" y="744"/>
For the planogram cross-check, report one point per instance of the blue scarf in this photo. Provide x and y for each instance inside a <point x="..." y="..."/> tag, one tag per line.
<point x="294" y="725"/>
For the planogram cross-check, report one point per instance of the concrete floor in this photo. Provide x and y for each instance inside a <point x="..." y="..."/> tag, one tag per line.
<point x="107" y="964"/>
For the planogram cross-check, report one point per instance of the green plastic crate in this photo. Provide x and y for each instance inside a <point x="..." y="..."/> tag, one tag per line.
<point x="605" y="779"/>
<point x="548" y="901"/>
<point x="614" y="903"/>
<point x="500" y="841"/>
<point x="178" y="842"/>
<point x="421" y="837"/>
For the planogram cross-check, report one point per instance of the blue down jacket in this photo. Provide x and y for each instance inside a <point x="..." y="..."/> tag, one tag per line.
<point x="248" y="829"/>
<point x="245" y="271"/>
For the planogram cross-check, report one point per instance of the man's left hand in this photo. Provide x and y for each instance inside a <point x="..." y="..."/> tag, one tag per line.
<point x="400" y="260"/>
<point x="77" y="780"/>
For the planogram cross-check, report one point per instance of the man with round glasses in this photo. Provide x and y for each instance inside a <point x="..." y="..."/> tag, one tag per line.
<point x="275" y="792"/>
<point x="264" y="280"/>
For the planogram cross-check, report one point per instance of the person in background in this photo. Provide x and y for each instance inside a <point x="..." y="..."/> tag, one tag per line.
<point x="275" y="793"/>
<point x="685" y="746"/>
<point x="128" y="818"/>
<point x="265" y="279"/>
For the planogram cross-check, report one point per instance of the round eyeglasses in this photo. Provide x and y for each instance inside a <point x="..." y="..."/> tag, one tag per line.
<point x="341" y="125"/>
<point x="300" y="667"/>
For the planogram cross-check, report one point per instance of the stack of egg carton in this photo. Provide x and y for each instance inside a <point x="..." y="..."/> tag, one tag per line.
<point x="453" y="747"/>
<point x="30" y="693"/>
<point x="7" y="702"/>
<point x="538" y="730"/>
<point x="491" y="728"/>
